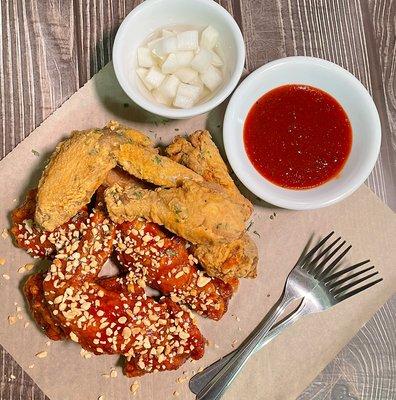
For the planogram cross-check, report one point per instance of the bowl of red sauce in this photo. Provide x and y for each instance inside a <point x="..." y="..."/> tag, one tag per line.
<point x="302" y="133"/>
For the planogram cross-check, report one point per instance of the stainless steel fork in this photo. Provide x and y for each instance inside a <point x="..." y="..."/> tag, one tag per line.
<point x="312" y="279"/>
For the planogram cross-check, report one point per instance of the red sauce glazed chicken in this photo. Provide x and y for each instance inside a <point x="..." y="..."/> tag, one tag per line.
<point x="110" y="315"/>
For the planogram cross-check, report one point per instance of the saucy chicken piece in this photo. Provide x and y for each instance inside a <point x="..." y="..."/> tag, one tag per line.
<point x="145" y="164"/>
<point x="162" y="260"/>
<point x="120" y="319"/>
<point x="34" y="294"/>
<point x="198" y="212"/>
<point x="31" y="237"/>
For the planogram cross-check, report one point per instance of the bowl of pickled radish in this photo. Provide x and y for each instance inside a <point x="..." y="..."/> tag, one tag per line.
<point x="178" y="58"/>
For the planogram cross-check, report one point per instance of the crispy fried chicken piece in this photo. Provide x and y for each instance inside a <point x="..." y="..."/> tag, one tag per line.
<point x="199" y="153"/>
<point x="198" y="212"/>
<point x="107" y="320"/>
<point x="77" y="168"/>
<point x="144" y="163"/>
<point x="237" y="258"/>
<point x="226" y="261"/>
<point x="161" y="260"/>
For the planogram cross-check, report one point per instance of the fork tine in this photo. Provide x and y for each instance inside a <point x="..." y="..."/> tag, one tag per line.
<point x="321" y="254"/>
<point x="358" y="290"/>
<point x="344" y="271"/>
<point x="323" y="263"/>
<point x="330" y="267"/>
<point x="341" y="281"/>
<point x="344" y="288"/>
<point x="316" y="248"/>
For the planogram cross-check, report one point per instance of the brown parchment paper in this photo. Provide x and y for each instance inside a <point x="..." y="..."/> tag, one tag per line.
<point x="281" y="370"/>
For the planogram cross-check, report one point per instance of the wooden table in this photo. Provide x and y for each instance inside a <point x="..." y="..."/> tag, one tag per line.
<point x="50" y="48"/>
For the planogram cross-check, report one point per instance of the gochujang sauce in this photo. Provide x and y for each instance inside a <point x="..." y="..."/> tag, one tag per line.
<point x="297" y="136"/>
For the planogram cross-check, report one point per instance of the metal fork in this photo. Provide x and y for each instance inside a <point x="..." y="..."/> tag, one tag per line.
<point x="312" y="279"/>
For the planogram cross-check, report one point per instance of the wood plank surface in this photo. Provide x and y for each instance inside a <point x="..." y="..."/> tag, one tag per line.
<point x="50" y="48"/>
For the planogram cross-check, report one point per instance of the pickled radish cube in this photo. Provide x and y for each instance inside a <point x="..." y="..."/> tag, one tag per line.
<point x="204" y="94"/>
<point x="171" y="64"/>
<point x="212" y="78"/>
<point x="186" y="95"/>
<point x="184" y="58"/>
<point x="186" y="74"/>
<point x="144" y="57"/>
<point x="202" y="60"/>
<point x="209" y="38"/>
<point x="165" y="46"/>
<point x="160" y="98"/>
<point x="152" y="43"/>
<point x="187" y="40"/>
<point x="167" y="33"/>
<point x="216" y="60"/>
<point x="154" y="77"/>
<point x="169" y="86"/>
<point x="142" y="73"/>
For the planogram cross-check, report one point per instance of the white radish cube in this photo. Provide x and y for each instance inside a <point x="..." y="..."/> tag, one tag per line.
<point x="142" y="73"/>
<point x="212" y="78"/>
<point x="184" y="58"/>
<point x="169" y="86"/>
<point x="186" y="96"/>
<point x="160" y="98"/>
<point x="204" y="94"/>
<point x="216" y="60"/>
<point x="209" y="38"/>
<point x="167" y="33"/>
<point x="187" y="40"/>
<point x="154" y="77"/>
<point x="171" y="64"/>
<point x="186" y="74"/>
<point x="153" y="42"/>
<point x="144" y="57"/>
<point x="202" y="60"/>
<point x="165" y="46"/>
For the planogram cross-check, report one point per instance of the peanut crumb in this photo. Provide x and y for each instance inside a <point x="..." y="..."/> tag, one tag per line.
<point x="6" y="277"/>
<point x="12" y="377"/>
<point x="26" y="324"/>
<point x="2" y="261"/>
<point x="4" y="233"/>
<point x="176" y="393"/>
<point x="42" y="354"/>
<point x="113" y="373"/>
<point x="101" y="398"/>
<point x="31" y="366"/>
<point x="200" y="369"/>
<point x="135" y="387"/>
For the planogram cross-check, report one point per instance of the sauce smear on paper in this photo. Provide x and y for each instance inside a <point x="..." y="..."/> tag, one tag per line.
<point x="297" y="136"/>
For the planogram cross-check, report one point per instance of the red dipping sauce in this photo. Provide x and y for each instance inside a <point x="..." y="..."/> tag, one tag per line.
<point x="297" y="136"/>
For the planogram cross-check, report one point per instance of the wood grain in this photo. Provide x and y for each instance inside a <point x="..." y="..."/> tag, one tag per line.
<point x="50" y="48"/>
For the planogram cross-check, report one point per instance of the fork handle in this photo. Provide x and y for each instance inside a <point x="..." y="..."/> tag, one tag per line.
<point x="219" y="383"/>
<point x="201" y="379"/>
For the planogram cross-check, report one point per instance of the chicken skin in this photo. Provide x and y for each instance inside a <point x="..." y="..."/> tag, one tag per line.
<point x="198" y="212"/>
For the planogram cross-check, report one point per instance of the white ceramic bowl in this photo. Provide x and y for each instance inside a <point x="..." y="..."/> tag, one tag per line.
<point x="346" y="89"/>
<point x="152" y="15"/>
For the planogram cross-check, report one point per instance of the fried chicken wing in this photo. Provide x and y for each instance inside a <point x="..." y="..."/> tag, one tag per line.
<point x="146" y="164"/>
<point x="199" y="153"/>
<point x="161" y="260"/>
<point x="224" y="260"/>
<point x="77" y="168"/>
<point x="198" y="212"/>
